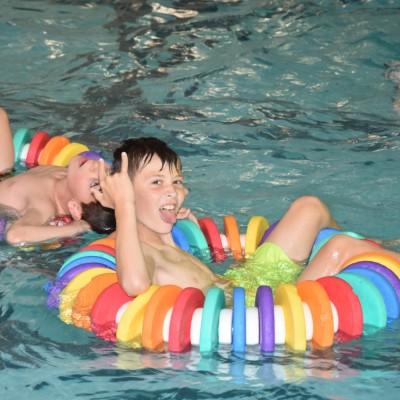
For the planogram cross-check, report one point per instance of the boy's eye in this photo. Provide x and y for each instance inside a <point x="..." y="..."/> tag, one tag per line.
<point x="94" y="183"/>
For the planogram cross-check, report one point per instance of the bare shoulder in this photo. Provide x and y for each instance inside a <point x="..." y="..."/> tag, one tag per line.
<point x="23" y="190"/>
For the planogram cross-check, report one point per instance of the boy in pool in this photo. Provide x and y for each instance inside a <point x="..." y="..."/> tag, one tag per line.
<point x="146" y="191"/>
<point x="30" y="200"/>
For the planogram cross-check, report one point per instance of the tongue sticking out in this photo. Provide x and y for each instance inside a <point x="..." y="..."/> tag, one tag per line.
<point x="168" y="216"/>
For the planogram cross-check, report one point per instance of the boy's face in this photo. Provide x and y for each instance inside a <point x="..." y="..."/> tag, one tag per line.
<point x="83" y="175"/>
<point x="159" y="195"/>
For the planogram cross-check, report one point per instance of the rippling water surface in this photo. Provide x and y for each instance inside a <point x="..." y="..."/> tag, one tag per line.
<point x="264" y="101"/>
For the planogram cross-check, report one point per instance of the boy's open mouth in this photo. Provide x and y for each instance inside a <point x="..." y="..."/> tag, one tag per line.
<point x="168" y="213"/>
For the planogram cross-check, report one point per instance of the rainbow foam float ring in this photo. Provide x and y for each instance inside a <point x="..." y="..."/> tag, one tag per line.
<point x="87" y="296"/>
<point x="105" y="312"/>
<point x="105" y="244"/>
<point x="380" y="268"/>
<point x="191" y="299"/>
<point x="129" y="329"/>
<point x="100" y="247"/>
<point x="188" y="300"/>
<point x="339" y="307"/>
<point x="42" y="149"/>
<point x="153" y="321"/>
<point x="372" y="303"/>
<point x="71" y="291"/>
<point x="347" y="305"/>
<point x="51" y="149"/>
<point x="66" y="153"/>
<point x="383" y="259"/>
<point x="88" y="256"/>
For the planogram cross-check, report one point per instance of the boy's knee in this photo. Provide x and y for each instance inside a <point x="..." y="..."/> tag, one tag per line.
<point x="309" y="203"/>
<point x="340" y="246"/>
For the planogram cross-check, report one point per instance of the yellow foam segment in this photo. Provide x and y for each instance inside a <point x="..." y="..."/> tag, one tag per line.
<point x="129" y="329"/>
<point x="287" y="297"/>
<point x="255" y="231"/>
<point x="69" y="293"/>
<point x="70" y="150"/>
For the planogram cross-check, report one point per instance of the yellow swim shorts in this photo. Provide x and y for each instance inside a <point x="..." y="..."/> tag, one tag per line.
<point x="269" y="265"/>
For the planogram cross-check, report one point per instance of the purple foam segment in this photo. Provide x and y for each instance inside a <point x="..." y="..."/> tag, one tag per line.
<point x="55" y="287"/>
<point x="3" y="225"/>
<point x="100" y="261"/>
<point x="377" y="267"/>
<point x="268" y="232"/>
<point x="265" y="305"/>
<point x="93" y="155"/>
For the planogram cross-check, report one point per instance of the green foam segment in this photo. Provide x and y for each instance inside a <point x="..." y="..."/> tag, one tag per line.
<point x="372" y="303"/>
<point x="214" y="303"/>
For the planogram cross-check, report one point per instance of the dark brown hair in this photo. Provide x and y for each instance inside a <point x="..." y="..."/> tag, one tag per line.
<point x="140" y="151"/>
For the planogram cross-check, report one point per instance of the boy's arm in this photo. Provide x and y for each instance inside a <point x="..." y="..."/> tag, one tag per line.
<point x="132" y="271"/>
<point x="117" y="193"/>
<point x="29" y="229"/>
<point x="6" y="143"/>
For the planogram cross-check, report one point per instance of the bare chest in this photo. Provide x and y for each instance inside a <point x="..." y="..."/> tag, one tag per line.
<point x="27" y="190"/>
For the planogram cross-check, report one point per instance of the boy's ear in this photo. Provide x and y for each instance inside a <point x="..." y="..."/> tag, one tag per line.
<point x="75" y="209"/>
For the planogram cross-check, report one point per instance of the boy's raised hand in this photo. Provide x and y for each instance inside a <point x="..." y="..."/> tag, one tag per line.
<point x="116" y="188"/>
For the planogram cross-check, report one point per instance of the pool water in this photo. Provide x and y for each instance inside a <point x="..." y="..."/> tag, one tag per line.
<point x="265" y="101"/>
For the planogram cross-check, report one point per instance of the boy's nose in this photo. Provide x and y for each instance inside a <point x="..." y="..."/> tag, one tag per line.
<point x="171" y="191"/>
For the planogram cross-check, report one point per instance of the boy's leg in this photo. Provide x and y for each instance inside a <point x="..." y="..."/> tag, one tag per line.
<point x="339" y="249"/>
<point x="6" y="143"/>
<point x="297" y="230"/>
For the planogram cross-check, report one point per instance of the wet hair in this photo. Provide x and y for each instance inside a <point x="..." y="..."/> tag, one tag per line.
<point x="100" y="219"/>
<point x="140" y="152"/>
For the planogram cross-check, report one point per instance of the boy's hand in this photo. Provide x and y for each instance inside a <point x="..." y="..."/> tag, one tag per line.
<point x="116" y="188"/>
<point x="186" y="213"/>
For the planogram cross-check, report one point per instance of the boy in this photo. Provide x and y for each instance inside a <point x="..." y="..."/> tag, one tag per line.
<point x="30" y="200"/>
<point x="147" y="190"/>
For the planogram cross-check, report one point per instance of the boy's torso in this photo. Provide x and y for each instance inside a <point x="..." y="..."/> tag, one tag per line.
<point x="31" y="189"/>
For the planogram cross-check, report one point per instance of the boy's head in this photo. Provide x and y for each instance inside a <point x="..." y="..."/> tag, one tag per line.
<point x="82" y="177"/>
<point x="140" y="152"/>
